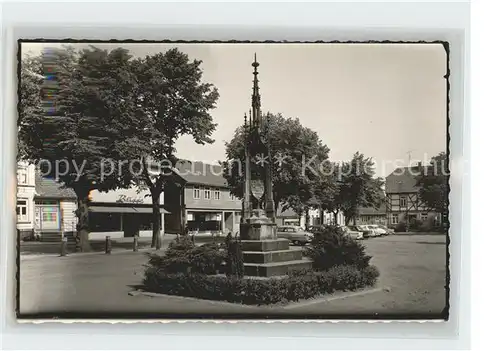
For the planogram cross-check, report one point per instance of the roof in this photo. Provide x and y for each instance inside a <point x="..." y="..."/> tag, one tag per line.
<point x="364" y="211"/>
<point x="196" y="172"/>
<point x="51" y="189"/>
<point x="402" y="180"/>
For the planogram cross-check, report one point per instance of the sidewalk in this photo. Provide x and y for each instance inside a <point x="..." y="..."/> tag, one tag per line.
<point x="37" y="249"/>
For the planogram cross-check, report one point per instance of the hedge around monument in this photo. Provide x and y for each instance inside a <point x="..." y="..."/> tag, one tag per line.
<point x="197" y="271"/>
<point x="250" y="291"/>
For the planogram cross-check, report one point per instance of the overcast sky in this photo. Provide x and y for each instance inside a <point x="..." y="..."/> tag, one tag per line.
<point x="383" y="100"/>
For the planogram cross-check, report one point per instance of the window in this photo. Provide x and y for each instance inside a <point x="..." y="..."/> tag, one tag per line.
<point x="207" y="194"/>
<point x="232" y="197"/>
<point x="437" y="219"/>
<point x="402" y="201"/>
<point x="49" y="214"/>
<point x="22" y="177"/>
<point x="217" y="194"/>
<point x="22" y="210"/>
<point x="196" y="192"/>
<point x="423" y="217"/>
<point x="394" y="218"/>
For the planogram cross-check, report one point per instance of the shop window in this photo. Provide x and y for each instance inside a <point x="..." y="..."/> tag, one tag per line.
<point x="423" y="217"/>
<point x="105" y="222"/>
<point x="49" y="214"/>
<point x="22" y="210"/>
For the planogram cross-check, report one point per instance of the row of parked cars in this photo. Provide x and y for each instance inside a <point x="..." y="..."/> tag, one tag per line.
<point x="365" y="231"/>
<point x="298" y="236"/>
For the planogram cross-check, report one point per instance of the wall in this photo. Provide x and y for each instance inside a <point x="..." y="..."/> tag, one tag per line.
<point x="68" y="217"/>
<point x="372" y="219"/>
<point x="26" y="191"/>
<point x="413" y="202"/>
<point x="224" y="203"/>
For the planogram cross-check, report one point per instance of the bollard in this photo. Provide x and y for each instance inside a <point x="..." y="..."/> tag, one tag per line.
<point x="64" y="244"/>
<point x="107" y="247"/>
<point x="136" y="243"/>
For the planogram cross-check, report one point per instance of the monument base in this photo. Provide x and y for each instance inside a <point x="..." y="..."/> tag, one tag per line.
<point x="264" y="255"/>
<point x="270" y="258"/>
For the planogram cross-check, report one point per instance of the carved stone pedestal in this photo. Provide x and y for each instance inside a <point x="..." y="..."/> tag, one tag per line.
<point x="265" y="255"/>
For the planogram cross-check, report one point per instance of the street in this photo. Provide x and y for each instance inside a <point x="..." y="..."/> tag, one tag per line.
<point x="412" y="283"/>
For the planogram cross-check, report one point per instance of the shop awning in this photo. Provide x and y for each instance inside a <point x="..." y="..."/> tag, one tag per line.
<point x="116" y="209"/>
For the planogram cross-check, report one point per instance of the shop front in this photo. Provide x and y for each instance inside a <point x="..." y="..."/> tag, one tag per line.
<point x="213" y="222"/>
<point x="123" y="213"/>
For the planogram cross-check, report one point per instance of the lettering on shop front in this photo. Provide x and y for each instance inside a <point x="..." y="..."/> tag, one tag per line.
<point x="129" y="199"/>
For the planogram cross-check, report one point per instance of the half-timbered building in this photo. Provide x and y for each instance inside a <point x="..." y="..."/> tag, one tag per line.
<point x="402" y="199"/>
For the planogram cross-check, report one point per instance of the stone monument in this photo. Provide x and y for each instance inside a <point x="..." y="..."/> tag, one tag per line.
<point x="264" y="254"/>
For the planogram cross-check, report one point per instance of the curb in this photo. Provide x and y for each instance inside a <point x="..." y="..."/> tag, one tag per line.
<point x="289" y="306"/>
<point x="29" y="257"/>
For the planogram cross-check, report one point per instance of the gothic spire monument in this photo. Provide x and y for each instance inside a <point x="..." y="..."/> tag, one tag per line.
<point x="264" y="254"/>
<point x="258" y="158"/>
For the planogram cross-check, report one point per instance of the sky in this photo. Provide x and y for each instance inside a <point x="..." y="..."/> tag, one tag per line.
<point x="387" y="101"/>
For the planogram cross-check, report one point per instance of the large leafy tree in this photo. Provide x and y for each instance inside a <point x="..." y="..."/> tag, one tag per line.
<point x="358" y="187"/>
<point x="327" y="190"/>
<point x="86" y="125"/>
<point x="174" y="101"/>
<point x="30" y="101"/>
<point x="433" y="184"/>
<point x="297" y="153"/>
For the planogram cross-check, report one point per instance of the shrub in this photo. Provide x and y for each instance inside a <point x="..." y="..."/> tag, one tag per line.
<point x="297" y="286"/>
<point x="416" y="225"/>
<point x="330" y="247"/>
<point x="183" y="256"/>
<point x="401" y="227"/>
<point x="234" y="261"/>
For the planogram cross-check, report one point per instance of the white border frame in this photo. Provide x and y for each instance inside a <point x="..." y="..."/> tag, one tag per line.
<point x="277" y="21"/>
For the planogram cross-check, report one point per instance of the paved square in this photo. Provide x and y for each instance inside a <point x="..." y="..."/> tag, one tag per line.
<point x="412" y="281"/>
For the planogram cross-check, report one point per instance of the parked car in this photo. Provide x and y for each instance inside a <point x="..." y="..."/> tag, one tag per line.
<point x="378" y="231"/>
<point x="355" y="234"/>
<point x="388" y="231"/>
<point x="367" y="232"/>
<point x="296" y="235"/>
<point x="316" y="228"/>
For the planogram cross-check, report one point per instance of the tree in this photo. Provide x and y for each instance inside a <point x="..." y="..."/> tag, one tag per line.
<point x="358" y="187"/>
<point x="327" y="191"/>
<point x="174" y="102"/>
<point x="433" y="184"/>
<point x="30" y="102"/>
<point x="85" y="127"/>
<point x="297" y="155"/>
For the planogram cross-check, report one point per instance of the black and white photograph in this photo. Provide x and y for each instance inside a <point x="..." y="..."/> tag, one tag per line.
<point x="233" y="180"/>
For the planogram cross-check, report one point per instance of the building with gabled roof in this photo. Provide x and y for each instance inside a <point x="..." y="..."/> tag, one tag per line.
<point x="403" y="203"/>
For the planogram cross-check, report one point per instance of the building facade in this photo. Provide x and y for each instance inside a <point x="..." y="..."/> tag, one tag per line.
<point x="290" y="217"/>
<point x="201" y="203"/>
<point x="371" y="215"/>
<point x="123" y="213"/>
<point x="43" y="207"/>
<point x="403" y="202"/>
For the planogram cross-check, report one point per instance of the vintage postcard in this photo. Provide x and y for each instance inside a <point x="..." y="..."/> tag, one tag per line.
<point x="239" y="180"/>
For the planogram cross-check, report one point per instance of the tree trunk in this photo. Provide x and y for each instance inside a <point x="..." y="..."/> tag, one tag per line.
<point x="335" y="217"/>
<point x="156" y="239"/>
<point x="307" y="217"/>
<point x="82" y="228"/>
